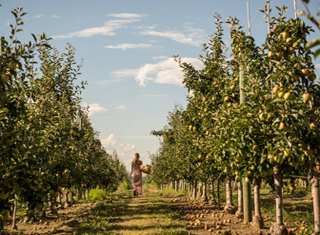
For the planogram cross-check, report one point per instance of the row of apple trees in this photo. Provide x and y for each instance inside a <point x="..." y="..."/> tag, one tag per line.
<point x="47" y="143"/>
<point x="254" y="116"/>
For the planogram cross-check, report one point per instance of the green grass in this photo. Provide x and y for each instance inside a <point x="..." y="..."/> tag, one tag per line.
<point x="98" y="194"/>
<point x="122" y="213"/>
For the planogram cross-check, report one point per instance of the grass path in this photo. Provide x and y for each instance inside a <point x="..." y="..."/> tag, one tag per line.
<point x="146" y="214"/>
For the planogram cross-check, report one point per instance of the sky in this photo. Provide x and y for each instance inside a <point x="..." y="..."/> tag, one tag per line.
<point x="127" y="48"/>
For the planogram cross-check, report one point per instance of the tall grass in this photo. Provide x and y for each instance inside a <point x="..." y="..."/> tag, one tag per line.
<point x="98" y="194"/>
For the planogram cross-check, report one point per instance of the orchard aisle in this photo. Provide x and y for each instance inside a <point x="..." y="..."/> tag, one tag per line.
<point x="147" y="214"/>
<point x="120" y="214"/>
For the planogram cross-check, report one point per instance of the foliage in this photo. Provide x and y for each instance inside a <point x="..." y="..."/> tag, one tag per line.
<point x="47" y="142"/>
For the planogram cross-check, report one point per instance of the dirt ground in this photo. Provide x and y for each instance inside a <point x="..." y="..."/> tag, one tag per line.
<point x="155" y="213"/>
<point x="203" y="218"/>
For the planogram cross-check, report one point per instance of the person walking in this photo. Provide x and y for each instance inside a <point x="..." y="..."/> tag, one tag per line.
<point x="137" y="175"/>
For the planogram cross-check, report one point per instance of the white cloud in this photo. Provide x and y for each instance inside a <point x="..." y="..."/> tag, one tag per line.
<point x="146" y="27"/>
<point x="108" y="29"/>
<point x="164" y="72"/>
<point x="38" y="16"/>
<point x="188" y="35"/>
<point x="125" y="151"/>
<point x="126" y="46"/>
<point x="121" y="107"/>
<point x="317" y="66"/>
<point x="159" y="57"/>
<point x="95" y="109"/>
<point x="55" y="16"/>
<point x="128" y="15"/>
<point x="125" y="72"/>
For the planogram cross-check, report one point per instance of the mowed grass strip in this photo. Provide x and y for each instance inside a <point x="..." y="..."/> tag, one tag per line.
<point x="124" y="214"/>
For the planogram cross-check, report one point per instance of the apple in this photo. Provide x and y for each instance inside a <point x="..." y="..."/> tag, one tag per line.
<point x="247" y="180"/>
<point x="12" y="65"/>
<point x="312" y="77"/>
<point x="296" y="44"/>
<point x="274" y="28"/>
<point x="288" y="39"/>
<point x="282" y="126"/>
<point x="280" y="94"/>
<point x="305" y="71"/>
<point x="190" y="127"/>
<point x="229" y="105"/>
<point x="200" y="156"/>
<point x="255" y="147"/>
<point x="205" y="109"/>
<point x="275" y="89"/>
<point x="287" y="95"/>
<point x="291" y="50"/>
<point x="312" y="126"/>
<point x="306" y="97"/>
<point x="284" y="34"/>
<point x="204" y="99"/>
<point x="226" y="98"/>
<point x="270" y="54"/>
<point x="5" y="78"/>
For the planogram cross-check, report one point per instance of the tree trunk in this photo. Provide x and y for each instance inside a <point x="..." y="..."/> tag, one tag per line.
<point x="66" y="196"/>
<point x="257" y="219"/>
<point x="278" y="228"/>
<point x="72" y="197"/>
<point x="316" y="203"/>
<point x="176" y="186"/>
<point x="204" y="192"/>
<point x="239" y="213"/>
<point x="230" y="208"/>
<point x="60" y="199"/>
<point x="14" y="226"/>
<point x="213" y="200"/>
<point x="79" y="194"/>
<point x="218" y="193"/>
<point x="199" y="190"/>
<point x="88" y="192"/>
<point x="194" y="190"/>
<point x="1" y="224"/>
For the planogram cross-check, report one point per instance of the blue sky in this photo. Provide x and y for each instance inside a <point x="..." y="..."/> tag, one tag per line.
<point x="127" y="47"/>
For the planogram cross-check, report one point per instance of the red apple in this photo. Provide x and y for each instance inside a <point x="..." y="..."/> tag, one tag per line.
<point x="305" y="71"/>
<point x="291" y="50"/>
<point x="275" y="89"/>
<point x="306" y="97"/>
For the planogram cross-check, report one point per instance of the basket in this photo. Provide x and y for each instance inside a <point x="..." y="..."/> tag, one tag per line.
<point x="145" y="169"/>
